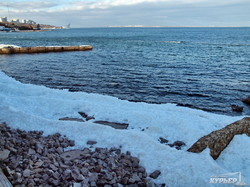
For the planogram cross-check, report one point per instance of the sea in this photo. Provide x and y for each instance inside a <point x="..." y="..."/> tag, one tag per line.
<point x="203" y="68"/>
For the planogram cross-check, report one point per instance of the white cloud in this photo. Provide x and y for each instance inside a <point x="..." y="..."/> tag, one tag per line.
<point x="132" y="12"/>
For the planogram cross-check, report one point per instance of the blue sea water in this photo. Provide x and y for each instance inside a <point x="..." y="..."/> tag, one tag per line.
<point x="207" y="68"/>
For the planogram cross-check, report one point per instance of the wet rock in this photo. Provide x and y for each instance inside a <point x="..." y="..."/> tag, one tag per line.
<point x="155" y="174"/>
<point x="236" y="108"/>
<point x="246" y="101"/>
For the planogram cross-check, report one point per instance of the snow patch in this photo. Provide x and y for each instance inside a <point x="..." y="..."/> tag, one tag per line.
<point x="31" y="107"/>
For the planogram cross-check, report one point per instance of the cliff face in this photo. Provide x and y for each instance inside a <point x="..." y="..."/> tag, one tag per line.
<point x="218" y="140"/>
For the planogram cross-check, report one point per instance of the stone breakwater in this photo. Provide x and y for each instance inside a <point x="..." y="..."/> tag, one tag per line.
<point x="30" y="159"/>
<point x="218" y="140"/>
<point x="40" y="49"/>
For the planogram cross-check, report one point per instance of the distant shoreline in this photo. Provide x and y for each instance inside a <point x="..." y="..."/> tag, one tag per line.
<point x="160" y="27"/>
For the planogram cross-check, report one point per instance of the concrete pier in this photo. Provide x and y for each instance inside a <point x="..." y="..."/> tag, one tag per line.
<point x="40" y="49"/>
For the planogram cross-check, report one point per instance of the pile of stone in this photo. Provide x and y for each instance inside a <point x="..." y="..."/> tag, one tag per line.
<point x="30" y="159"/>
<point x="218" y="140"/>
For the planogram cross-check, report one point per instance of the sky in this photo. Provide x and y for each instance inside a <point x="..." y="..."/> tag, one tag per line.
<point x="102" y="13"/>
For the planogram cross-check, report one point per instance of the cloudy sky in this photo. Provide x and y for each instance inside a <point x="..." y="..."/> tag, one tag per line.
<point x="99" y="13"/>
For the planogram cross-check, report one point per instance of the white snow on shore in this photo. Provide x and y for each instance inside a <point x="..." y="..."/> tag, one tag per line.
<point x="31" y="107"/>
<point x="8" y="46"/>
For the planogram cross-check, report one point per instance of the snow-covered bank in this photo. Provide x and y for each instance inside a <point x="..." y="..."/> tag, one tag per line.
<point x="31" y="107"/>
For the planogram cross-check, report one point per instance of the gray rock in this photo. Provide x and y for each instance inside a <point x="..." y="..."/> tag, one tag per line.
<point x="53" y="167"/>
<point x="93" y="177"/>
<point x="38" y="164"/>
<point x="76" y="175"/>
<point x="56" y="175"/>
<point x="4" y="154"/>
<point x="84" y="171"/>
<point x="26" y="173"/>
<point x="124" y="180"/>
<point x="107" y="185"/>
<point x="77" y="184"/>
<point x="39" y="148"/>
<point x="136" y="178"/>
<point x="135" y="162"/>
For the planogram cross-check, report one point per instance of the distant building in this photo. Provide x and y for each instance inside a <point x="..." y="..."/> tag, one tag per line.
<point x="30" y="21"/>
<point x="3" y="19"/>
<point x="24" y="21"/>
<point x="15" y="20"/>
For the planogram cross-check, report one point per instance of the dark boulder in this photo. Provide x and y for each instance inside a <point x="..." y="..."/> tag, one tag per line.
<point x="155" y="174"/>
<point x="246" y="101"/>
<point x="237" y="108"/>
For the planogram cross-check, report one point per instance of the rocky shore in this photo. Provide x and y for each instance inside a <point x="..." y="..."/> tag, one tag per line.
<point x="31" y="159"/>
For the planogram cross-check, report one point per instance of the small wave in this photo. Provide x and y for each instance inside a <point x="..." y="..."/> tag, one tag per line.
<point x="174" y="42"/>
<point x="113" y="84"/>
<point x="197" y="95"/>
<point x="225" y="44"/>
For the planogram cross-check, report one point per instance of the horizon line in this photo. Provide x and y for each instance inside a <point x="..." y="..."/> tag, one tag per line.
<point x="135" y="26"/>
